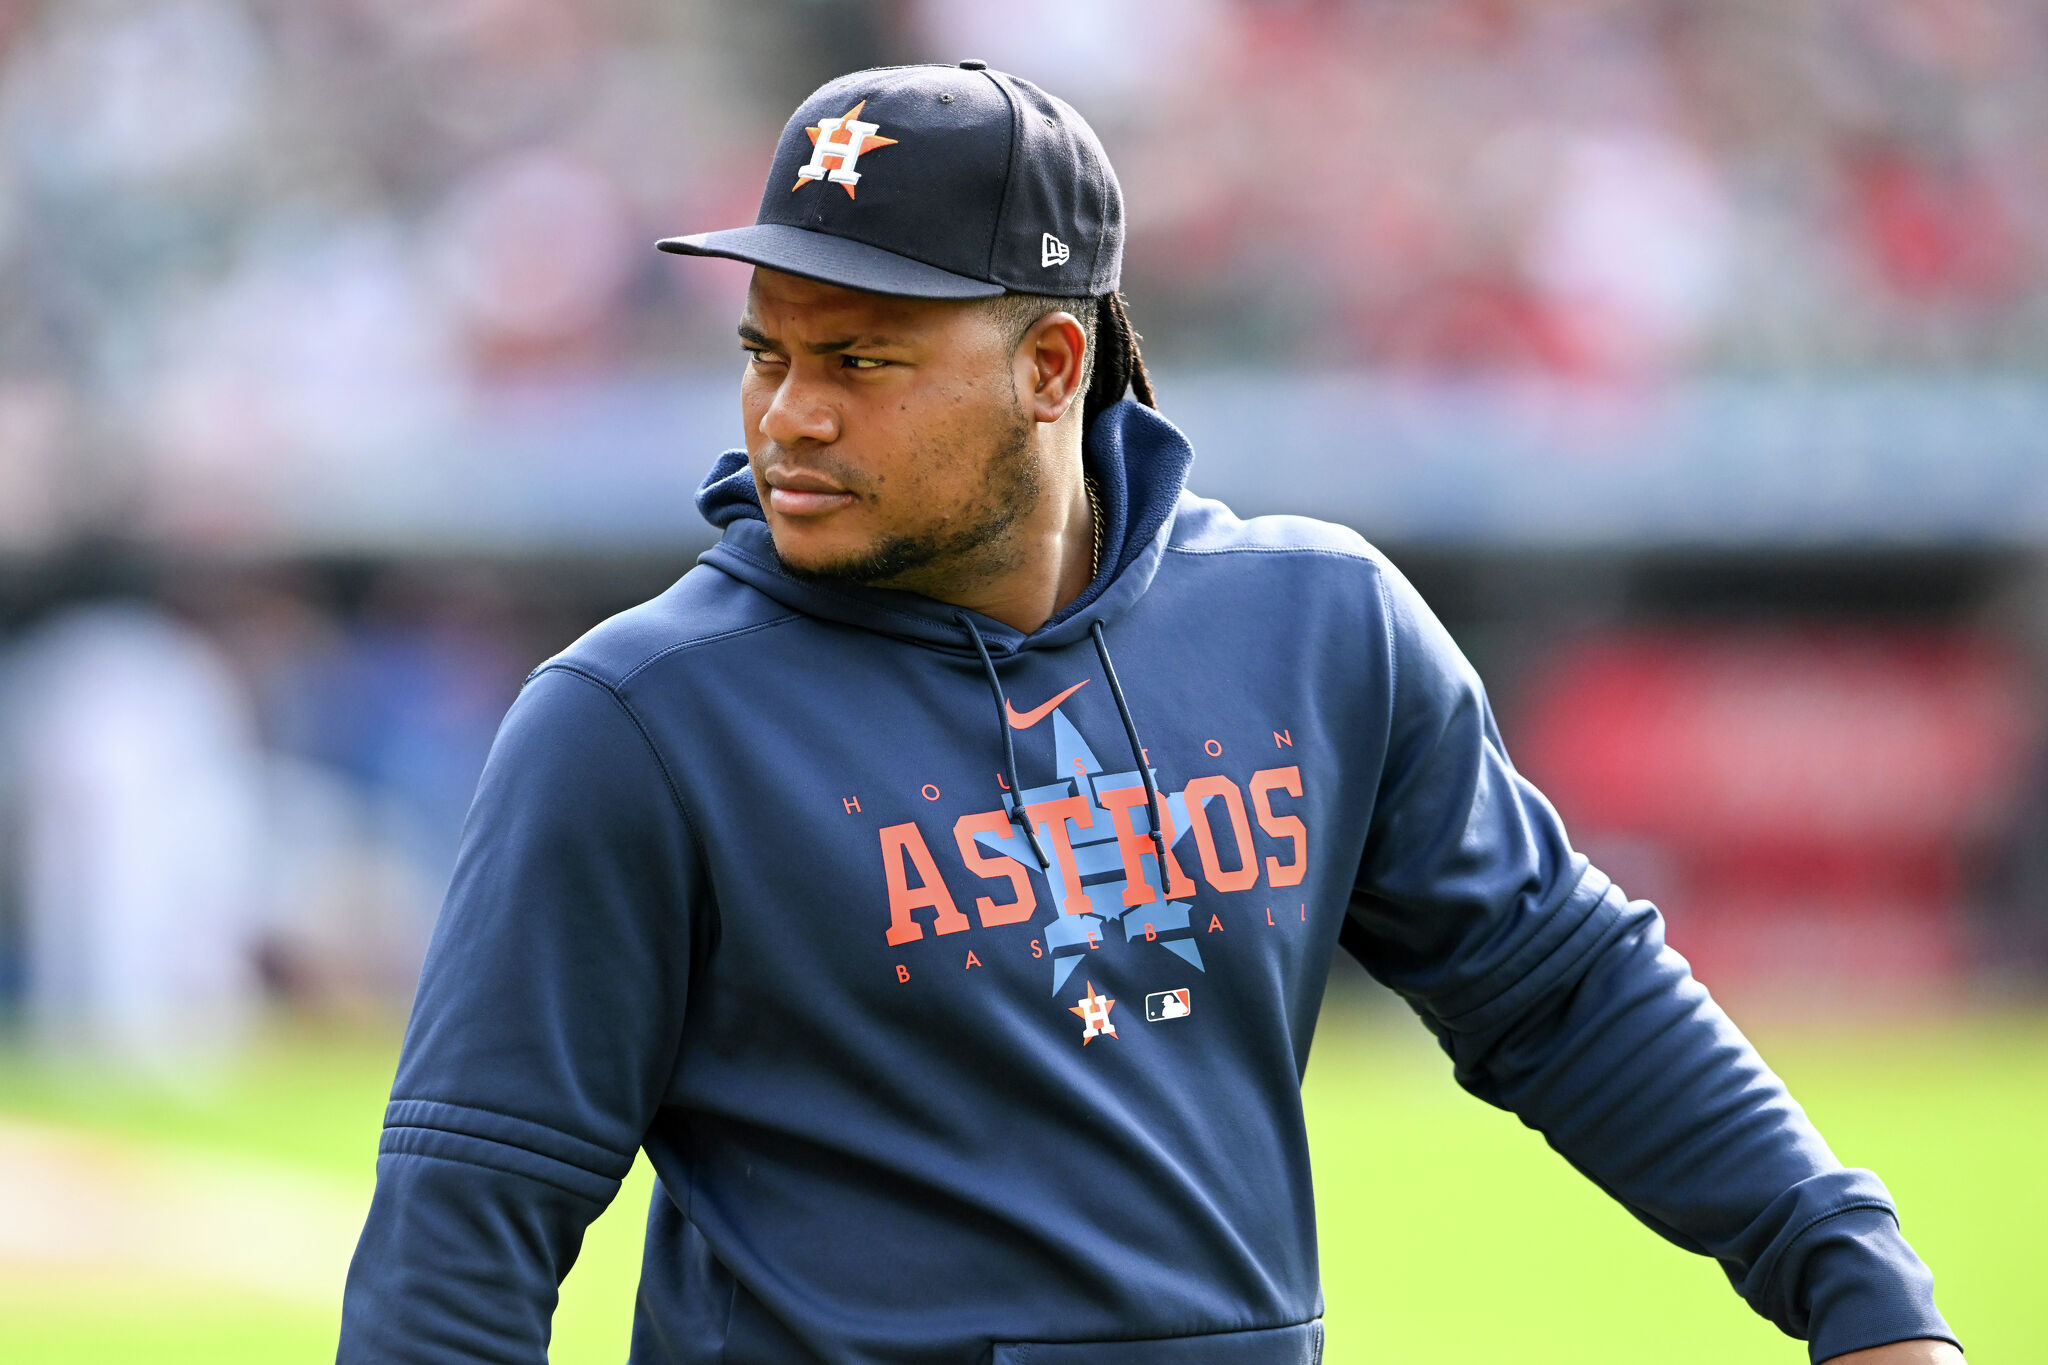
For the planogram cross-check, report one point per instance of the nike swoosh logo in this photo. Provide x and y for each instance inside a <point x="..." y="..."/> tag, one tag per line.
<point x="1039" y="713"/>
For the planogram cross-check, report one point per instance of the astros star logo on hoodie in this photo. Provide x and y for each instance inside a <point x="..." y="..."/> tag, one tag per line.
<point x="1106" y="801"/>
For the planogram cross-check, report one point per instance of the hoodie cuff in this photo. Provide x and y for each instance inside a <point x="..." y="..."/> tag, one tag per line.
<point x="1863" y="1285"/>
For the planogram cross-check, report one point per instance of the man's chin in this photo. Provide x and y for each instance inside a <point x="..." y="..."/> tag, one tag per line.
<point x="879" y="564"/>
<point x="805" y="553"/>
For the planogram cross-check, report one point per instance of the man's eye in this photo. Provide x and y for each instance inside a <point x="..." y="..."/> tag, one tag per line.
<point x="757" y="356"/>
<point x="863" y="362"/>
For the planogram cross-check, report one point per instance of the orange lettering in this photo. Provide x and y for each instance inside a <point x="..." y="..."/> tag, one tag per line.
<point x="972" y="961"/>
<point x="1151" y="934"/>
<point x="1093" y="942"/>
<point x="1281" y="826"/>
<point x="852" y="804"/>
<point x="1052" y="817"/>
<point x="902" y="973"/>
<point x="1136" y="847"/>
<point x="982" y="865"/>
<point x="899" y="841"/>
<point x="1247" y="870"/>
<point x="1036" y="951"/>
<point x="1215" y="925"/>
<point x="1269" y="918"/>
<point x="1281" y="737"/>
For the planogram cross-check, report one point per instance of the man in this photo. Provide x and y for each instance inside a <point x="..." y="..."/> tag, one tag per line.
<point x="940" y="881"/>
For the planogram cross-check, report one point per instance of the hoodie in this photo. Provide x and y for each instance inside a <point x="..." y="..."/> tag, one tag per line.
<point x="959" y="982"/>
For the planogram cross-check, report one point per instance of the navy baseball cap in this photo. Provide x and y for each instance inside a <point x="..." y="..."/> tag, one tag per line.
<point x="936" y="182"/>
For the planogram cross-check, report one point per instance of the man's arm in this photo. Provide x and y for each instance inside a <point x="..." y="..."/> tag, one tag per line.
<point x="541" y="1041"/>
<point x="1557" y="999"/>
<point x="1923" y="1352"/>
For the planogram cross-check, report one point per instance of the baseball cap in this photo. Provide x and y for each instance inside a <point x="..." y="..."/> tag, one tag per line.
<point x="940" y="182"/>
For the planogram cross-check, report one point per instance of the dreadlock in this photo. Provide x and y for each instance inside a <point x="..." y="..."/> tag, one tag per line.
<point x="1118" y="363"/>
<point x="1113" y="364"/>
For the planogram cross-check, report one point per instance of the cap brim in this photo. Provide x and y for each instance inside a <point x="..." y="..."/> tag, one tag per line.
<point x="831" y="260"/>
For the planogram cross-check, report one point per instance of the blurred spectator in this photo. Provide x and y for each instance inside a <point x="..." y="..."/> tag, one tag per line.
<point x="149" y="96"/>
<point x="36" y="422"/>
<point x="532" y="251"/>
<point x="1084" y="53"/>
<point x="1630" y="253"/>
<point x="1935" y="232"/>
<point x="263" y="791"/>
<point x="403" y="702"/>
<point x="376" y="721"/>
<point x="1809" y="807"/>
<point x="139" y="803"/>
<point x="317" y="351"/>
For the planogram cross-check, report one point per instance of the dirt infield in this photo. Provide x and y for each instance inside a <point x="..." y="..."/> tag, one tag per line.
<point x="88" y="1207"/>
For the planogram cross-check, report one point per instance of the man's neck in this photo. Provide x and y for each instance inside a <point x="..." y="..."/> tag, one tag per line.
<point x="1046" y="560"/>
<point x="1054" y="566"/>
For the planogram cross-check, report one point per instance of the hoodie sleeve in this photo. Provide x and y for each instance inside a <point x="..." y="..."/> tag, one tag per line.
<point x="1557" y="999"/>
<point x="541" y="1040"/>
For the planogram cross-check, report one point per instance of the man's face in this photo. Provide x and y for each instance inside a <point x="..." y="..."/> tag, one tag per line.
<point x="887" y="437"/>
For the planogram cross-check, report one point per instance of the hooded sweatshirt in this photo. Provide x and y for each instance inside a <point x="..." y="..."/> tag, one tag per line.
<point x="959" y="981"/>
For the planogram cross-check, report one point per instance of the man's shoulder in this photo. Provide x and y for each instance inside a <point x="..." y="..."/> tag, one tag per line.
<point x="702" y="610"/>
<point x="1203" y="526"/>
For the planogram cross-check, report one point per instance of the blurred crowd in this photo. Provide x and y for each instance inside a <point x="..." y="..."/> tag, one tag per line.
<point x="239" y="235"/>
<point x="224" y="786"/>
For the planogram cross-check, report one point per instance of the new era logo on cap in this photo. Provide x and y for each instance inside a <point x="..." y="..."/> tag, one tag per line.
<point x="935" y="182"/>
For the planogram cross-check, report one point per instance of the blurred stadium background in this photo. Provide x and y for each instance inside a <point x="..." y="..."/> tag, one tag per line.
<point x="1692" y="358"/>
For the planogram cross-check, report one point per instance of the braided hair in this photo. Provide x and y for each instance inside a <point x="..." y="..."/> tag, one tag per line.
<point x="1114" y="364"/>
<point x="1118" y="363"/>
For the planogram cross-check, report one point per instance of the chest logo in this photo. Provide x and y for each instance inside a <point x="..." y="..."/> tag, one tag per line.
<point x="840" y="142"/>
<point x="1107" y="879"/>
<point x="1163" y="1005"/>
<point x="1025" y="720"/>
<point x="1094" y="1011"/>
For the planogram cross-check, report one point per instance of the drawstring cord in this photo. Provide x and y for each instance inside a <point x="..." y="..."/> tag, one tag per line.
<point x="1018" y="816"/>
<point x="1017" y="812"/>
<point x="1123" y="708"/>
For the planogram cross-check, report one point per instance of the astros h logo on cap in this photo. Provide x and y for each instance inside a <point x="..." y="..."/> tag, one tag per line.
<point x="990" y="186"/>
<point x="840" y="140"/>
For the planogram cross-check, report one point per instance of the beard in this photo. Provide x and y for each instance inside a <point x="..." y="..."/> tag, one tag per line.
<point x="969" y="548"/>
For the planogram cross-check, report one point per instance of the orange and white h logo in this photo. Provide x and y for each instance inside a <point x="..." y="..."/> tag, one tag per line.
<point x="1094" y="1011"/>
<point x="840" y="141"/>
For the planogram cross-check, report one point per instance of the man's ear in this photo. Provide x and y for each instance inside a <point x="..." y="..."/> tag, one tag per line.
<point x="1052" y="361"/>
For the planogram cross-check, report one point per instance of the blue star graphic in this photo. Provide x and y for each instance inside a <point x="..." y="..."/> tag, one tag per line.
<point x="1099" y="862"/>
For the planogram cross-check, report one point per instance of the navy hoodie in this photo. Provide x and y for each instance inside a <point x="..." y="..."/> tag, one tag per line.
<point x="748" y="883"/>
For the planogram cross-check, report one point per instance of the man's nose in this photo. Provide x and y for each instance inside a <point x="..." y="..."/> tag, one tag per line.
<point x="799" y="412"/>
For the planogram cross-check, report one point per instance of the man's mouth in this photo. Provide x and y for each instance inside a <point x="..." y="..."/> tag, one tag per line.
<point x="801" y="493"/>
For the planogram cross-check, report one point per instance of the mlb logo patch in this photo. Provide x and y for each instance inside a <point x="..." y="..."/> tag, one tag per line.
<point x="1162" y="1005"/>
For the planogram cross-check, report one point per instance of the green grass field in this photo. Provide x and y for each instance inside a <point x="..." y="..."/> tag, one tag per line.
<point x="1450" y="1233"/>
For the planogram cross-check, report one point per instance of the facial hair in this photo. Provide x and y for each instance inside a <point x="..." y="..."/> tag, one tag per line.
<point x="958" y="551"/>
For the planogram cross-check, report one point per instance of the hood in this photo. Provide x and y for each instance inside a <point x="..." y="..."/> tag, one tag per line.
<point x="1140" y="462"/>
